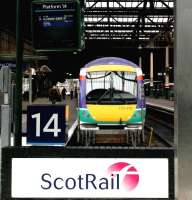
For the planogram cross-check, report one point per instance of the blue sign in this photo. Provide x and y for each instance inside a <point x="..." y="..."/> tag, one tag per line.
<point x="46" y="124"/>
<point x="11" y="64"/>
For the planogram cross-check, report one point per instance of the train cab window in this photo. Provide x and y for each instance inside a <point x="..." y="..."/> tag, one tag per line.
<point x="94" y="95"/>
<point x="111" y="87"/>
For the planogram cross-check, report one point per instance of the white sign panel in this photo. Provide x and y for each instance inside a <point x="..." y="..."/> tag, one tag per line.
<point x="90" y="178"/>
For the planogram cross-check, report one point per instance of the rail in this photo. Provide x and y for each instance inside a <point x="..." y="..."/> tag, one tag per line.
<point x="162" y="122"/>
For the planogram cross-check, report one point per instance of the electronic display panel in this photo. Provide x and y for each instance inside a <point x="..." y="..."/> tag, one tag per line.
<point x="55" y="25"/>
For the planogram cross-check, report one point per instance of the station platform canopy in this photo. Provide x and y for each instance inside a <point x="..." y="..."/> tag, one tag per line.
<point x="138" y="22"/>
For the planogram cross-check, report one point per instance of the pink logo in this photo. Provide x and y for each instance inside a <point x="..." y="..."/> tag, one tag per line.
<point x="128" y="174"/>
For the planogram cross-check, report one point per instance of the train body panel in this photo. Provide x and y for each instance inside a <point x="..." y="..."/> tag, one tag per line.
<point x="111" y="113"/>
<point x="136" y="118"/>
<point x="101" y="68"/>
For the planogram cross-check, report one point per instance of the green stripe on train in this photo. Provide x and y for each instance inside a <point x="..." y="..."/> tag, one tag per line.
<point x="138" y="117"/>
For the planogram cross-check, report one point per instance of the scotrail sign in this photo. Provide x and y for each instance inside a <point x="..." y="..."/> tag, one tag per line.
<point x="90" y="178"/>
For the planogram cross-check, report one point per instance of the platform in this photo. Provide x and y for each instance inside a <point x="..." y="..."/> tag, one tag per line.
<point x="162" y="103"/>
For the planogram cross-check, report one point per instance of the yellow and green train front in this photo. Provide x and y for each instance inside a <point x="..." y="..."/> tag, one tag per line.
<point x="111" y="95"/>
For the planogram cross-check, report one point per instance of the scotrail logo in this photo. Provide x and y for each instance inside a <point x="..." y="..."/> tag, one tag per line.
<point x="120" y="175"/>
<point x="128" y="174"/>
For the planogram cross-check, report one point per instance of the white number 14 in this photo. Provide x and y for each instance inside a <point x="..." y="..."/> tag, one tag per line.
<point x="54" y="119"/>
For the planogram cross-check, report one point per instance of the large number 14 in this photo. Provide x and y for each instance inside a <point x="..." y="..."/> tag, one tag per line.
<point x="54" y="119"/>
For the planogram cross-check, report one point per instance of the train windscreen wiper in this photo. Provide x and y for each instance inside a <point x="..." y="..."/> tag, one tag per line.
<point x="100" y="98"/>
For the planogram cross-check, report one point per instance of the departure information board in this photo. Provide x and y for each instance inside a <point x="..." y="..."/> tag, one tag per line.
<point x="56" y="25"/>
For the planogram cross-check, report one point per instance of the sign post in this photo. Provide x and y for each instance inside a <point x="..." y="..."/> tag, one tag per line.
<point x="18" y="92"/>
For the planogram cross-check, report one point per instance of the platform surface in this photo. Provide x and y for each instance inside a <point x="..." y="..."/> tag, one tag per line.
<point x="163" y="103"/>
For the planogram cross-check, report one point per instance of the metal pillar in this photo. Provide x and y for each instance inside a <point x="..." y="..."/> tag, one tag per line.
<point x="140" y="61"/>
<point x="19" y="56"/>
<point x="183" y="111"/>
<point x="140" y="56"/>
<point x="30" y="87"/>
<point x="151" y="74"/>
<point x="167" y="72"/>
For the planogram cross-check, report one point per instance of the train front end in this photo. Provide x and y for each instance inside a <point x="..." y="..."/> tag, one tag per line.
<point x="111" y="95"/>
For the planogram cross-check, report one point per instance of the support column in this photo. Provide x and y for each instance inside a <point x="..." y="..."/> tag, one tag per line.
<point x="140" y="61"/>
<point x="19" y="59"/>
<point x="151" y="74"/>
<point x="183" y="100"/>
<point x="167" y="72"/>
<point x="140" y="56"/>
<point x="30" y="86"/>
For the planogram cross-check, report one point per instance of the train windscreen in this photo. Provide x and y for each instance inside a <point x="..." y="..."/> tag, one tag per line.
<point x="111" y="87"/>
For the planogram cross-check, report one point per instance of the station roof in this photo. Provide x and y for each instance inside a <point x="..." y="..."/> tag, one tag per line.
<point x="138" y="22"/>
<point x="130" y="22"/>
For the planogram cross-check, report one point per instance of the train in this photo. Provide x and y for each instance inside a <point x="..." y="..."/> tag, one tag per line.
<point x="111" y="97"/>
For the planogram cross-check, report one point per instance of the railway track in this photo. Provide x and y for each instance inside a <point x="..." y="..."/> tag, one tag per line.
<point x="161" y="122"/>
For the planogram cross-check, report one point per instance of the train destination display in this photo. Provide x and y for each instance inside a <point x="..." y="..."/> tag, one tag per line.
<point x="55" y="25"/>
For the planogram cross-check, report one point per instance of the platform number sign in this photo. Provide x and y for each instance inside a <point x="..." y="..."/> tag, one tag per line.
<point x="46" y="124"/>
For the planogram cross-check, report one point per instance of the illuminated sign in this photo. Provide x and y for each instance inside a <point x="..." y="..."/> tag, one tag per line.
<point x="90" y="178"/>
<point x="56" y="25"/>
<point x="7" y="64"/>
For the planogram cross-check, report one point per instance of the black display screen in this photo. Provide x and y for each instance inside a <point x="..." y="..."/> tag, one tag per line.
<point x="54" y="25"/>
